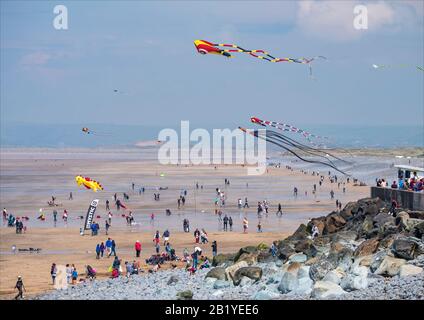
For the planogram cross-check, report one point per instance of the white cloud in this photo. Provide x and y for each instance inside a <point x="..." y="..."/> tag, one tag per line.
<point x="334" y="19"/>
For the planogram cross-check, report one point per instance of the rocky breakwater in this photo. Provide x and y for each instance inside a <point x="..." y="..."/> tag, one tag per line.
<point x="361" y="252"/>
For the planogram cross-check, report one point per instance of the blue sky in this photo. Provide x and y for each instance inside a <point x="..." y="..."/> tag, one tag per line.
<point x="145" y="49"/>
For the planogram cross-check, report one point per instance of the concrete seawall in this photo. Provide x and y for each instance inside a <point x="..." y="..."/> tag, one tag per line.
<point x="405" y="199"/>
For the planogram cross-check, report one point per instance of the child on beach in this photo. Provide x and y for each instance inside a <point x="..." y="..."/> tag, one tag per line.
<point x="245" y="225"/>
<point x="74" y="275"/>
<point x="53" y="272"/>
<point x="197" y="235"/>
<point x="214" y="248"/>
<point x="20" y="286"/>
<point x="68" y="273"/>
<point x="137" y="248"/>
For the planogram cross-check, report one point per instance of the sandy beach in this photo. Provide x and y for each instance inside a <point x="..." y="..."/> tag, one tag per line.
<point x="30" y="178"/>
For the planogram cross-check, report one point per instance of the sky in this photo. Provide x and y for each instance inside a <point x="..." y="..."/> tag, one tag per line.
<point x="145" y="50"/>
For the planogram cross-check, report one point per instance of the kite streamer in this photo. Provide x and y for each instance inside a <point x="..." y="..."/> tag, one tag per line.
<point x="293" y="147"/>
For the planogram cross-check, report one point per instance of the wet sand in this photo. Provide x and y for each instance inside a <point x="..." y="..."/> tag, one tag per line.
<point x="30" y="178"/>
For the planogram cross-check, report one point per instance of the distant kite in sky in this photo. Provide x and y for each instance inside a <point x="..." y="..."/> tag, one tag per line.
<point x="288" y="128"/>
<point x="88" y="183"/>
<point x="89" y="131"/>
<point x="383" y="66"/>
<point x="206" y="47"/>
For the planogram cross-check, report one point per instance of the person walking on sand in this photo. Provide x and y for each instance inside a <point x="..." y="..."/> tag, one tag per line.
<point x="107" y="226"/>
<point x="246" y="204"/>
<point x="259" y="226"/>
<point x="102" y="249"/>
<point x="4" y="214"/>
<point x="65" y="216"/>
<point x="54" y="216"/>
<point x="279" y="211"/>
<point x="332" y="194"/>
<point x="113" y="247"/>
<point x="53" y="273"/>
<point x="98" y="251"/>
<point x="225" y="223"/>
<point x="230" y="222"/>
<point x="108" y="247"/>
<point x="156" y="238"/>
<point x="214" y="248"/>
<point x="166" y="235"/>
<point x="197" y="235"/>
<point x="107" y="205"/>
<point x="20" y="286"/>
<point x="245" y="225"/>
<point x="70" y="196"/>
<point x="137" y="247"/>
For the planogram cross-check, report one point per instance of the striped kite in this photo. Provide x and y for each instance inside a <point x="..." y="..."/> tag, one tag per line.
<point x="88" y="183"/>
<point x="206" y="47"/>
<point x="286" y="127"/>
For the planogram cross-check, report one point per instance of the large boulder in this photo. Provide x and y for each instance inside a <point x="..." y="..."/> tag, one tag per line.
<point x="367" y="225"/>
<point x="284" y="250"/>
<point x="304" y="286"/>
<point x="345" y="236"/>
<point x="319" y="269"/>
<point x="370" y="206"/>
<point x="185" y="295"/>
<point x="221" y="284"/>
<point x="350" y="209"/>
<point x="411" y="223"/>
<point x="416" y="214"/>
<point x="307" y="247"/>
<point x="289" y="282"/>
<point x="231" y="270"/>
<point x="405" y="248"/>
<point x="244" y="250"/>
<point x="333" y="223"/>
<point x="318" y="222"/>
<point x="254" y="273"/>
<point x="222" y="258"/>
<point x="326" y="289"/>
<point x="390" y="266"/>
<point x="409" y="270"/>
<point x="382" y="219"/>
<point x="298" y="257"/>
<point x="401" y="218"/>
<point x="418" y="231"/>
<point x="356" y="280"/>
<point x="300" y="233"/>
<point x="334" y="276"/>
<point x="265" y="295"/>
<point x="341" y="257"/>
<point x="367" y="248"/>
<point x="250" y="258"/>
<point x="377" y="259"/>
<point x="217" y="273"/>
<point x="265" y="257"/>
